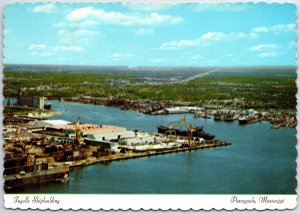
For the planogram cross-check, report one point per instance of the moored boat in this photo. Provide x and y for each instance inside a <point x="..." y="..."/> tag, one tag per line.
<point x="47" y="106"/>
<point x="199" y="132"/>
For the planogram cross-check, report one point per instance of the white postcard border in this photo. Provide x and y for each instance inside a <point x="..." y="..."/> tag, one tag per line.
<point x="145" y="202"/>
<point x="150" y="202"/>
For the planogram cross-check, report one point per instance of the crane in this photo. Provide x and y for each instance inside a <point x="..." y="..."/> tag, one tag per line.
<point x="77" y="132"/>
<point x="189" y="127"/>
<point x="17" y="141"/>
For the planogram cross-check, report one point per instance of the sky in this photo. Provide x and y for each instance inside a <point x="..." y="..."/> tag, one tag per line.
<point x="109" y="34"/>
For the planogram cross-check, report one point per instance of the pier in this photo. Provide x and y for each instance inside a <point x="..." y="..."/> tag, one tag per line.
<point x="120" y="157"/>
<point x="38" y="151"/>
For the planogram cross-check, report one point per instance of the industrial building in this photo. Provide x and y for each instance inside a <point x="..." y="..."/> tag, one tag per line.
<point x="104" y="136"/>
<point x="31" y="101"/>
<point x="136" y="140"/>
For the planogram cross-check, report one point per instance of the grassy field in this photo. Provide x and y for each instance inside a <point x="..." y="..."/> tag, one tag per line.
<point x="259" y="92"/>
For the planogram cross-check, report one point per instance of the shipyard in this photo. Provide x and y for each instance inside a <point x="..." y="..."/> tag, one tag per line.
<point x="43" y="146"/>
<point x="41" y="150"/>
<point x="148" y="99"/>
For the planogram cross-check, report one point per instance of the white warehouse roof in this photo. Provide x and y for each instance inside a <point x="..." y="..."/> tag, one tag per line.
<point x="50" y="123"/>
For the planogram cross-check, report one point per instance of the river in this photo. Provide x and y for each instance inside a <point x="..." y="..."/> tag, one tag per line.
<point x="260" y="160"/>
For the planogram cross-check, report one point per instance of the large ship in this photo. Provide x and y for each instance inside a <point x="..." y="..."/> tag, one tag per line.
<point x="21" y="176"/>
<point x="199" y="132"/>
<point x="243" y="119"/>
<point x="247" y="116"/>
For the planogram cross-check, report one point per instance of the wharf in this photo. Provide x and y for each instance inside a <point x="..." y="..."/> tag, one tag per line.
<point x="36" y="177"/>
<point x="119" y="157"/>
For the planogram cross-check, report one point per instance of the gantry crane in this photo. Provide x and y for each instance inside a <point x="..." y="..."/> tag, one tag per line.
<point x="189" y="127"/>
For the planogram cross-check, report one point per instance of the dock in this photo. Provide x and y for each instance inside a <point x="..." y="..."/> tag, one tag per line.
<point x="120" y="157"/>
<point x="41" y="151"/>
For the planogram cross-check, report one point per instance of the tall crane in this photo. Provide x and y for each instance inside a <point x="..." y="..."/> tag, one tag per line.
<point x="77" y="132"/>
<point x="189" y="127"/>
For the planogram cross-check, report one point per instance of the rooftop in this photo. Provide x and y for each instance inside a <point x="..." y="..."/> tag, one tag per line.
<point x="89" y="127"/>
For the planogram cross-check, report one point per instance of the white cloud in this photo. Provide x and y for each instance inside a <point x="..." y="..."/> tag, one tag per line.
<point x="144" y="31"/>
<point x="177" y="44"/>
<point x="263" y="47"/>
<point x="99" y="16"/>
<point x="275" y="28"/>
<point x="44" y="50"/>
<point x="121" y="56"/>
<point x="76" y="33"/>
<point x="37" y="46"/>
<point x="45" y="8"/>
<point x="76" y="36"/>
<point x="193" y="57"/>
<point x="205" y="40"/>
<point x="260" y="30"/>
<point x="67" y="48"/>
<point x="210" y="37"/>
<point x="271" y="54"/>
<point x="196" y="57"/>
<point x="213" y="36"/>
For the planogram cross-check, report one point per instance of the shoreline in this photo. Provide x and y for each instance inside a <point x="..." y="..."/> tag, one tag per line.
<point x="277" y="118"/>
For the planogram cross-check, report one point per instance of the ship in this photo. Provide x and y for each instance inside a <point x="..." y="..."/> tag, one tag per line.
<point x="218" y="117"/>
<point x="229" y="117"/>
<point x="199" y="132"/>
<point x="33" y="175"/>
<point x="244" y="119"/>
<point x="247" y="116"/>
<point x="47" y="106"/>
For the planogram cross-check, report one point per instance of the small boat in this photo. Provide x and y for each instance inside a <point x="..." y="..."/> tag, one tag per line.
<point x="218" y="117"/>
<point x="47" y="106"/>
<point x="243" y="120"/>
<point x="230" y="117"/>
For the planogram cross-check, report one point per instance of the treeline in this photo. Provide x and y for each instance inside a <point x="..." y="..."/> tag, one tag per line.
<point x="257" y="92"/>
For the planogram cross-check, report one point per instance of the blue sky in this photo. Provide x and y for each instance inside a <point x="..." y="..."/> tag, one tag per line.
<point x="150" y="34"/>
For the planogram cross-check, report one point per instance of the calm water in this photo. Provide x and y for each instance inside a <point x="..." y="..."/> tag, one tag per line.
<point x="260" y="161"/>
